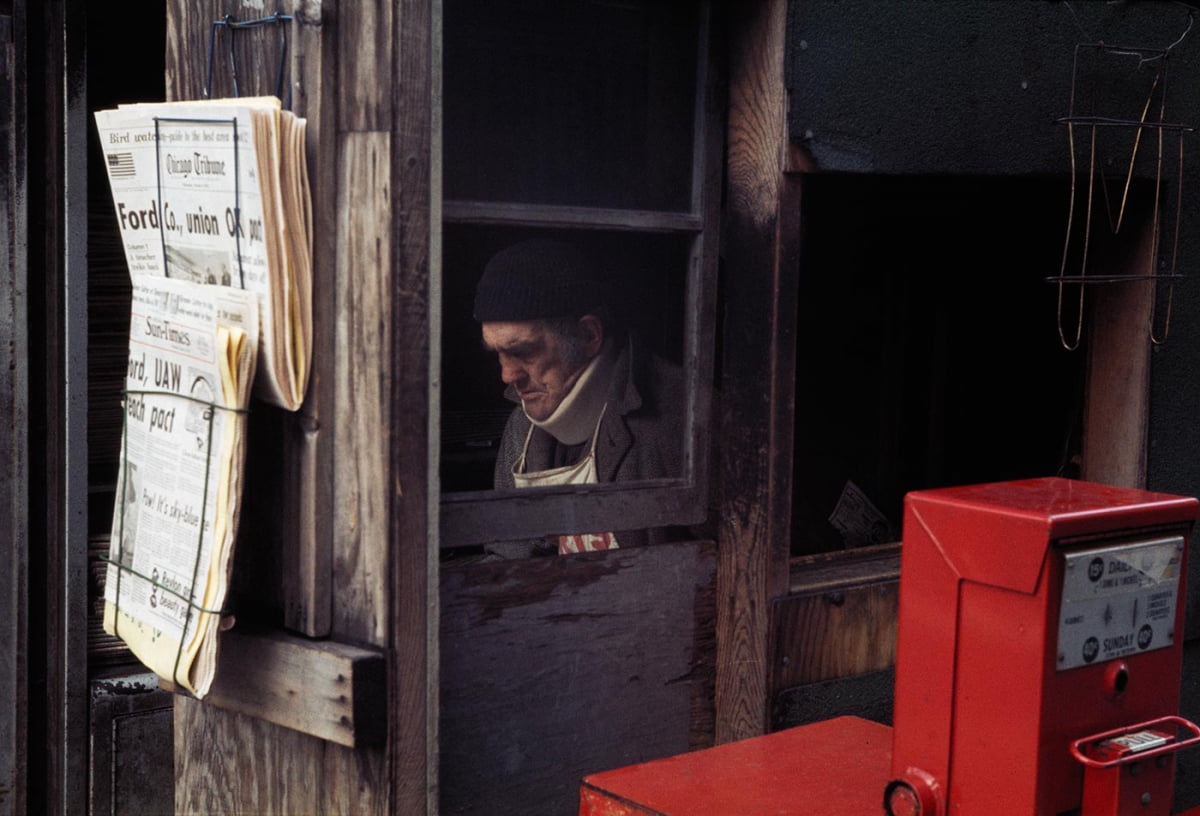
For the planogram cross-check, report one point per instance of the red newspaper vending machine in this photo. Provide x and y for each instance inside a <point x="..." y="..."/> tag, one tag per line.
<point x="1038" y="669"/>
<point x="1039" y="650"/>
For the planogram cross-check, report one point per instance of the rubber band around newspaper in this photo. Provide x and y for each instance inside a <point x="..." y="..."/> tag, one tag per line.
<point x="119" y="564"/>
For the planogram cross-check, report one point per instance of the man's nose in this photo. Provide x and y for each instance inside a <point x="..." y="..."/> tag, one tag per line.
<point x="510" y="372"/>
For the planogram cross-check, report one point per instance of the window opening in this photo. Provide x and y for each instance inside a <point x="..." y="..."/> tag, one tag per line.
<point x="589" y="122"/>
<point x="927" y="351"/>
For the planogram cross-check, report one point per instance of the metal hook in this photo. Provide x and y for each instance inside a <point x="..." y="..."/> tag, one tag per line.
<point x="1154" y="338"/>
<point x="233" y="25"/>
<point x="1158" y="86"/>
<point x="1062" y="269"/>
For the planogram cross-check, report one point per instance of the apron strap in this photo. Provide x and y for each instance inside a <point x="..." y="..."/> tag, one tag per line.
<point x="521" y="463"/>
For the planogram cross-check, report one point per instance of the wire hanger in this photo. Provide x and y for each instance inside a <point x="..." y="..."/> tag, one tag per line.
<point x="1152" y="118"/>
<point x="233" y="26"/>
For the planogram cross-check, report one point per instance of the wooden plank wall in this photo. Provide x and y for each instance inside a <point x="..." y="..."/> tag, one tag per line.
<point x="555" y="668"/>
<point x="759" y="249"/>
<point x="833" y="637"/>
<point x="828" y="635"/>
<point x="353" y="68"/>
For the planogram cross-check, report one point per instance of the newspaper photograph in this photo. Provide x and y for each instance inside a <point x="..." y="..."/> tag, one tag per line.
<point x="216" y="193"/>
<point x="191" y="362"/>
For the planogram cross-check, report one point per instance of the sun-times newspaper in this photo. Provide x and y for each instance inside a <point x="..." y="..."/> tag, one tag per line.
<point x="216" y="192"/>
<point x="191" y="363"/>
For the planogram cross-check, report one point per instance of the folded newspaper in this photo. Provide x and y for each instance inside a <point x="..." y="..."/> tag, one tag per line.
<point x="216" y="192"/>
<point x="192" y="352"/>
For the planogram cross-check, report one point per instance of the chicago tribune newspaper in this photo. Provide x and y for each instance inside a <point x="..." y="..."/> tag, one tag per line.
<point x="216" y="192"/>
<point x="191" y="362"/>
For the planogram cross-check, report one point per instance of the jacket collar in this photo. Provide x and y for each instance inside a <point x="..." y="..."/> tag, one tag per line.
<point x="615" y="440"/>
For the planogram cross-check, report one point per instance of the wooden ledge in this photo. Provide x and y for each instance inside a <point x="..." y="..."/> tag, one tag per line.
<point x="331" y="690"/>
<point x="825" y="572"/>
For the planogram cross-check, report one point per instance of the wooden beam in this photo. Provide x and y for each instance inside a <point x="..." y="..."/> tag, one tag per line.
<point x="359" y="366"/>
<point x="365" y="46"/>
<point x="1116" y="419"/>
<point x="15" y="434"/>
<point x="55" y="45"/>
<point x="334" y="691"/>
<point x="414" y="71"/>
<point x="759" y="248"/>
<point x="308" y="449"/>
<point x="362" y="372"/>
<point x="832" y="571"/>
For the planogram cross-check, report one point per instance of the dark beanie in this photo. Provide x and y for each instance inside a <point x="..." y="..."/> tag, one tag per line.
<point x="535" y="280"/>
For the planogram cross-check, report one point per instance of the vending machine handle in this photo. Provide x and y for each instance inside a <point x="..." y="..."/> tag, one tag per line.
<point x="1121" y="754"/>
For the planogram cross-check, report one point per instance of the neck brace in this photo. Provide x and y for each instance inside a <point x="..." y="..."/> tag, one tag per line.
<point x="575" y="418"/>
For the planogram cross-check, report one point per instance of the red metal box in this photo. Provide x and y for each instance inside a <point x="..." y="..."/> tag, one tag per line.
<point x="836" y="767"/>
<point x="1032" y="613"/>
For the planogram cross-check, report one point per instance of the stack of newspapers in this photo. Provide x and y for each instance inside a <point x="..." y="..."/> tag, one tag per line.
<point x="212" y="202"/>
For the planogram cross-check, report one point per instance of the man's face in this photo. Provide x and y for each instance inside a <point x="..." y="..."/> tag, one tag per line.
<point x="537" y="362"/>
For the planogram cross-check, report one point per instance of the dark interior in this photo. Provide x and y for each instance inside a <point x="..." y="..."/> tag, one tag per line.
<point x="927" y="347"/>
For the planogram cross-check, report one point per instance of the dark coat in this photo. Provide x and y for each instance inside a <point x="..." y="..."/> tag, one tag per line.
<point x="640" y="435"/>
<point x="640" y="438"/>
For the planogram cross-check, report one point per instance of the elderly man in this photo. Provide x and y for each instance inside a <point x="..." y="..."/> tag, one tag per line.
<point x="593" y="408"/>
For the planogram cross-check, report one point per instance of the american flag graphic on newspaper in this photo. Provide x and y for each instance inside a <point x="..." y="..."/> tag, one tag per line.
<point x="120" y="165"/>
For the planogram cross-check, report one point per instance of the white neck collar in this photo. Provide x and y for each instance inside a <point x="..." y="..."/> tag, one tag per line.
<point x="576" y="416"/>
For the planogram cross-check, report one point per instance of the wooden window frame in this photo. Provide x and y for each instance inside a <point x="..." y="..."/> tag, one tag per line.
<point x="474" y="517"/>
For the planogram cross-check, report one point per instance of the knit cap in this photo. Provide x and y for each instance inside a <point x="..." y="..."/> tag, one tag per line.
<point x="538" y="279"/>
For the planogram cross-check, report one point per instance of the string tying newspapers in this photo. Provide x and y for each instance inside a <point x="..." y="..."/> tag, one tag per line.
<point x="214" y="212"/>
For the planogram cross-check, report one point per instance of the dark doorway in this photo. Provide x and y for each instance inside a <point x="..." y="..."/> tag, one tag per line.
<point x="928" y="350"/>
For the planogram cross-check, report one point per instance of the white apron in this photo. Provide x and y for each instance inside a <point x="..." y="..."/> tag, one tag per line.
<point x="582" y="472"/>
